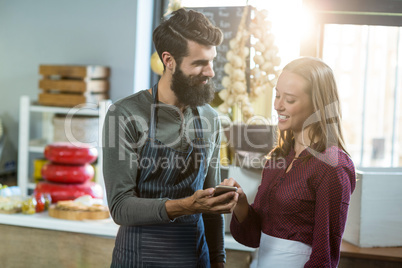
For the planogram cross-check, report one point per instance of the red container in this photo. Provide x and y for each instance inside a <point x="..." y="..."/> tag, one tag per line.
<point x="61" y="191"/>
<point x="67" y="153"/>
<point x="67" y="173"/>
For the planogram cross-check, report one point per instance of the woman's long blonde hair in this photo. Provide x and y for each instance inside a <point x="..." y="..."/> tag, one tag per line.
<point x="325" y="122"/>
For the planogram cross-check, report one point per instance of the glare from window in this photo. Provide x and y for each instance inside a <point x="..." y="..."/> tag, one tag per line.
<point x="365" y="61"/>
<point x="367" y="64"/>
<point x="287" y="17"/>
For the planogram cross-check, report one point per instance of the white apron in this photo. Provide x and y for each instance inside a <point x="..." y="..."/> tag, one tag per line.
<point x="278" y="252"/>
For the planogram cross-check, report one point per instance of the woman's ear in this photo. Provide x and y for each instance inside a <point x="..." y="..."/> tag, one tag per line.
<point x="168" y="60"/>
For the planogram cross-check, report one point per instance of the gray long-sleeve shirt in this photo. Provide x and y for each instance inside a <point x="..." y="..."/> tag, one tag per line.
<point x="124" y="134"/>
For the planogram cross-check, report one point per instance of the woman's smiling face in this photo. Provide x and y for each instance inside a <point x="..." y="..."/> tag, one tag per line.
<point x="292" y="102"/>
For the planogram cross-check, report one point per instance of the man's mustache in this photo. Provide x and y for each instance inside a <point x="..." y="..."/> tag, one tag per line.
<point x="197" y="80"/>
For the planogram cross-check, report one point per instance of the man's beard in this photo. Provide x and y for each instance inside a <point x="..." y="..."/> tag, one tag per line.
<point x="190" y="91"/>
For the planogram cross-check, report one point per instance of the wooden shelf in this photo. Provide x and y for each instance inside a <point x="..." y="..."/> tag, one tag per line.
<point x="28" y="145"/>
<point x="81" y="110"/>
<point x="37" y="145"/>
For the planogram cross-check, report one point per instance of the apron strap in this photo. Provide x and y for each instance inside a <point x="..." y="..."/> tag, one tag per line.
<point x="152" y="124"/>
<point x="197" y="124"/>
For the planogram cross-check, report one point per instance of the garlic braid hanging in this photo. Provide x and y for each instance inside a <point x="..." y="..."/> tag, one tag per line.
<point x="263" y="72"/>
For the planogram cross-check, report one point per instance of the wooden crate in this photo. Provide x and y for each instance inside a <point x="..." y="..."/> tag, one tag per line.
<point x="75" y="71"/>
<point x="72" y="85"/>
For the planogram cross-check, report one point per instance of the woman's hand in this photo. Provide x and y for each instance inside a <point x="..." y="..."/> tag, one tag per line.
<point x="232" y="182"/>
<point x="241" y="209"/>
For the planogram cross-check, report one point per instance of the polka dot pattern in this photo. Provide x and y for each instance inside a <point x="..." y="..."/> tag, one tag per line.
<point x="309" y="203"/>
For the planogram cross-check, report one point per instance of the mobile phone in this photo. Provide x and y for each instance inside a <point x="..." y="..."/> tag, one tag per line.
<point x="221" y="189"/>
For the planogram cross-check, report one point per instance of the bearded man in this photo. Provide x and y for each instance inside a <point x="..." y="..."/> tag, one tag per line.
<point x="161" y="156"/>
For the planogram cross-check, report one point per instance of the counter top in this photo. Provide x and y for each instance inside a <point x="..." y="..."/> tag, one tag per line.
<point x="105" y="227"/>
<point x="43" y="221"/>
<point x="393" y="254"/>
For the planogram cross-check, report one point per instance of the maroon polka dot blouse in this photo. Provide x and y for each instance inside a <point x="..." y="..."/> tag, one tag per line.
<point x="309" y="203"/>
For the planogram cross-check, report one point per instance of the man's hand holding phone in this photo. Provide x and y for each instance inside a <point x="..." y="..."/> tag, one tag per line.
<point x="224" y="195"/>
<point x="219" y="200"/>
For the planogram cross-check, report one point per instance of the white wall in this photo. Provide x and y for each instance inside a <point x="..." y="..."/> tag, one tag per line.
<point x="101" y="32"/>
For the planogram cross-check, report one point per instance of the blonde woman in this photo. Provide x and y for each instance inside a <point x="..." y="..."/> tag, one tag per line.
<point x="299" y="213"/>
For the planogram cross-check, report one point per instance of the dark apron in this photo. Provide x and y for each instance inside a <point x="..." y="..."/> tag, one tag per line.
<point x="180" y="243"/>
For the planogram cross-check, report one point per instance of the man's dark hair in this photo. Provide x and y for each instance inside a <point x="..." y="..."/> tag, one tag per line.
<point x="172" y="34"/>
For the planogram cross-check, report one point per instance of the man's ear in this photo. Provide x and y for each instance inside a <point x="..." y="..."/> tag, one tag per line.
<point x="168" y="60"/>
